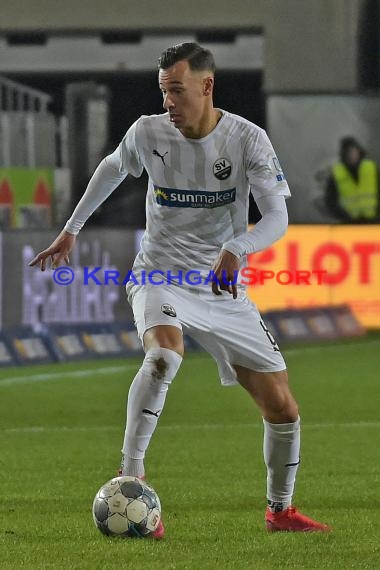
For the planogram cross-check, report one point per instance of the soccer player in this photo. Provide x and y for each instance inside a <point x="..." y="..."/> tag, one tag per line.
<point x="202" y="163"/>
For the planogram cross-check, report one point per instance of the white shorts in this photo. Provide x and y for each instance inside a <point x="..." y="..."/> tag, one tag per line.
<point x="231" y="330"/>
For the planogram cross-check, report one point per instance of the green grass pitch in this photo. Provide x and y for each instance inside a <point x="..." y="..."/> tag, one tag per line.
<point x="61" y="429"/>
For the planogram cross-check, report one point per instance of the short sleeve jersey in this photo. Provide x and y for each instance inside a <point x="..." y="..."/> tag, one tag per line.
<point x="198" y="190"/>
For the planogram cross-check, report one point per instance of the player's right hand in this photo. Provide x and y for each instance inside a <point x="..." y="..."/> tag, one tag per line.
<point x="224" y="268"/>
<point x="57" y="252"/>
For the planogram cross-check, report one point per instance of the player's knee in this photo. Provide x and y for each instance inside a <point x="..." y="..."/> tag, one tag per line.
<point x="163" y="336"/>
<point x="282" y="409"/>
<point x="160" y="367"/>
<point x="162" y="364"/>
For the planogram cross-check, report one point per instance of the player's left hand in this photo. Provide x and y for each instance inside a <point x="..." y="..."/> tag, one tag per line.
<point x="225" y="269"/>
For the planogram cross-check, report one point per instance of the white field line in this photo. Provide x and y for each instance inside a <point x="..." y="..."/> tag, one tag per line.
<point x="46" y="377"/>
<point x="193" y="427"/>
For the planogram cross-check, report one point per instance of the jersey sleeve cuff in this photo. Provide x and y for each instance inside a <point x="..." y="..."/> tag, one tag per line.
<point x="72" y="227"/>
<point x="234" y="249"/>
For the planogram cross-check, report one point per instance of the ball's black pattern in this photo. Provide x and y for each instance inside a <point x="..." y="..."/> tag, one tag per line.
<point x="101" y="510"/>
<point x="131" y="489"/>
<point x="149" y="497"/>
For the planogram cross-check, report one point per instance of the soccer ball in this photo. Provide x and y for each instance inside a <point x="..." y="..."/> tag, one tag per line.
<point x="127" y="507"/>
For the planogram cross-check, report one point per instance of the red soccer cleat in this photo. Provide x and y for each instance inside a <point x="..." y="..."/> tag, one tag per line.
<point x="291" y="520"/>
<point x="159" y="532"/>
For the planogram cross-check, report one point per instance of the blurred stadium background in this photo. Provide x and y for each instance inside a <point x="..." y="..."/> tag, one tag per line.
<point x="73" y="77"/>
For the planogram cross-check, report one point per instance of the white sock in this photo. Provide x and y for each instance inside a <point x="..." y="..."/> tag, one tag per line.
<point x="146" y="400"/>
<point x="281" y="456"/>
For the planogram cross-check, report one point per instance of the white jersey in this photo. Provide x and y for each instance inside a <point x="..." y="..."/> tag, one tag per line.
<point x="198" y="191"/>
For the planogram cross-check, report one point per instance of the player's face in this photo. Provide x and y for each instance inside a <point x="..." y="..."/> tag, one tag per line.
<point x="186" y="95"/>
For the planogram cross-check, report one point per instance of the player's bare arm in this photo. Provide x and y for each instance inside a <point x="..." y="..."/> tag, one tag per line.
<point x="58" y="251"/>
<point x="224" y="268"/>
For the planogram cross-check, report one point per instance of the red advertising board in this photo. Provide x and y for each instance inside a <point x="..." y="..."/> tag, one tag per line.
<point x="339" y="264"/>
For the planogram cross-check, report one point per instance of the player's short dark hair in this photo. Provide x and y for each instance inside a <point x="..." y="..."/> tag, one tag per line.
<point x="199" y="58"/>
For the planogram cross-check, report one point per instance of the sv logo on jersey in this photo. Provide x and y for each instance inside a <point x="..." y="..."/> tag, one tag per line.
<point x="222" y="168"/>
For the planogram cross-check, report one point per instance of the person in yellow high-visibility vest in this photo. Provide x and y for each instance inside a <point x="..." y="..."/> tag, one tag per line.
<point x="352" y="192"/>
